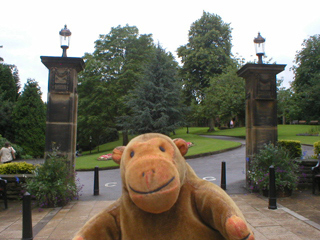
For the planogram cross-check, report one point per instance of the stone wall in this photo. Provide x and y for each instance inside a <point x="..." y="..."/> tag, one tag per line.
<point x="305" y="172"/>
<point x="15" y="185"/>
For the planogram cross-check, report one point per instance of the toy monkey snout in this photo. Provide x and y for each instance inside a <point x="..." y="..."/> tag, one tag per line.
<point x="150" y="175"/>
<point x="150" y="180"/>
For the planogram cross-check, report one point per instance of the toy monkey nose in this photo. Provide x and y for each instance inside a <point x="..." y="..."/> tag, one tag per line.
<point x="148" y="176"/>
<point x="150" y="172"/>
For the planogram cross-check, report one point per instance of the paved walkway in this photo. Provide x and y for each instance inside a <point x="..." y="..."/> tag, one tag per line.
<point x="297" y="217"/>
<point x="63" y="223"/>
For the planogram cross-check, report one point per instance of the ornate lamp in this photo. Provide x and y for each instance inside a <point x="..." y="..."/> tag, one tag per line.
<point x="64" y="40"/>
<point x="259" y="45"/>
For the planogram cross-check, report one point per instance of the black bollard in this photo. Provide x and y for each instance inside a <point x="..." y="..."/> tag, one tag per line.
<point x="272" y="189"/>
<point x="96" y="181"/>
<point x="26" y="217"/>
<point x="223" y="184"/>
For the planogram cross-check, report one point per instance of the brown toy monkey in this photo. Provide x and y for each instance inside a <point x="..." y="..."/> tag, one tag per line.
<point x="162" y="198"/>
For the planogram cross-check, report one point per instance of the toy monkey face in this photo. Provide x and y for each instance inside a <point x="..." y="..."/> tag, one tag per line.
<point x="151" y="174"/>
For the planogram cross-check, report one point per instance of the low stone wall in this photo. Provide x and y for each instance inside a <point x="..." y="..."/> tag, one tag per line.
<point x="305" y="172"/>
<point x="15" y="184"/>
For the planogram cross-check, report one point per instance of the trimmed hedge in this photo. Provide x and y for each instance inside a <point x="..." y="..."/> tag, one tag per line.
<point x="316" y="148"/>
<point x="17" y="168"/>
<point x="292" y="146"/>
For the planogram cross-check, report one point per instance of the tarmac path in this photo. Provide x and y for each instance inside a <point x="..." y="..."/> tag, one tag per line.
<point x="208" y="167"/>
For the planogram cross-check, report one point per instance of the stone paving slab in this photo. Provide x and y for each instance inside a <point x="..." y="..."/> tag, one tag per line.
<point x="63" y="223"/>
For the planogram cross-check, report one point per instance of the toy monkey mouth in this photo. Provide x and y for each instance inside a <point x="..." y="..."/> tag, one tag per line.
<point x="155" y="190"/>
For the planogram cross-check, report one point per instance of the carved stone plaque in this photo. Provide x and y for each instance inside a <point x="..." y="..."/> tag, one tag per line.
<point x="60" y="79"/>
<point x="264" y="86"/>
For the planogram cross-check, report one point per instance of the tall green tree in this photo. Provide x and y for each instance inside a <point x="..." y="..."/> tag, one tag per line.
<point x="206" y="55"/>
<point x="29" y="120"/>
<point x="225" y="97"/>
<point x="8" y="83"/>
<point x="111" y="71"/>
<point x="306" y="85"/>
<point x="9" y="92"/>
<point x="155" y="102"/>
<point x="287" y="104"/>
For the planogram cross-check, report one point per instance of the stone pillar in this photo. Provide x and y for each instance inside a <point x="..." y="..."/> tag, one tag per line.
<point x="261" y="107"/>
<point x="62" y="105"/>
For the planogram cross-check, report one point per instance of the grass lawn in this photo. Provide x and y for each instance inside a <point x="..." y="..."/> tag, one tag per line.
<point x="285" y="132"/>
<point x="201" y="144"/>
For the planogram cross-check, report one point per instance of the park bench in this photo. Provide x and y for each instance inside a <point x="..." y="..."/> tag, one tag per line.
<point x="3" y="191"/>
<point x="295" y="122"/>
<point x="314" y="122"/>
<point x="315" y="177"/>
<point x="302" y="121"/>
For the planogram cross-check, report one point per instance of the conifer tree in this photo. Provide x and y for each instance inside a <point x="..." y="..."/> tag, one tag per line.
<point x="155" y="101"/>
<point x="9" y="88"/>
<point x="29" y="118"/>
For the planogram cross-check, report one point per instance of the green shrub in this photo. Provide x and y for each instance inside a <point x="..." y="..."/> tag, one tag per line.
<point x="316" y="148"/>
<point x="26" y="156"/>
<point x="314" y="130"/>
<point x="17" y="168"/>
<point x="285" y="168"/>
<point x="53" y="185"/>
<point x="293" y="147"/>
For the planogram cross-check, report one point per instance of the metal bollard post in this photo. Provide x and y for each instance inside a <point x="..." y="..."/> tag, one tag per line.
<point x="223" y="184"/>
<point x="272" y="189"/>
<point x="96" y="181"/>
<point x="26" y="217"/>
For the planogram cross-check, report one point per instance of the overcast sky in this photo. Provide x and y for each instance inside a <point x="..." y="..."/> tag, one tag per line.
<point x="30" y="29"/>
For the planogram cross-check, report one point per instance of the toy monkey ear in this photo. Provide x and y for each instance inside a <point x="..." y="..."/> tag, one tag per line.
<point x="182" y="145"/>
<point x="117" y="154"/>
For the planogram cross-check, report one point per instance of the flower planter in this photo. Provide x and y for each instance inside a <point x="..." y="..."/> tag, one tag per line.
<point x="286" y="192"/>
<point x="15" y="184"/>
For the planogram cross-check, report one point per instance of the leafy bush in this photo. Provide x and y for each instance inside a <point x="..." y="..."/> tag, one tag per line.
<point x="292" y="146"/>
<point x="17" y="168"/>
<point x="314" y="130"/>
<point x="53" y="185"/>
<point x="285" y="168"/>
<point x="26" y="156"/>
<point x="316" y="148"/>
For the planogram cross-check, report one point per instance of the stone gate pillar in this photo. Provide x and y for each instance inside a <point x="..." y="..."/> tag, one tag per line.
<point x="261" y="107"/>
<point x="62" y="105"/>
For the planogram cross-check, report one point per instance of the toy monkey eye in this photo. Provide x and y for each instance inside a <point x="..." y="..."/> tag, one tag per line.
<point x="162" y="149"/>
<point x="132" y="154"/>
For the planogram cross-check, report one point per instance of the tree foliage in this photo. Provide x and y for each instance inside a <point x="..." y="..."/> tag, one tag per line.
<point x="111" y="71"/>
<point x="9" y="92"/>
<point x="206" y="55"/>
<point x="287" y="104"/>
<point x="29" y="119"/>
<point x="306" y="85"/>
<point x="155" y="101"/>
<point x="8" y="83"/>
<point x="225" y="98"/>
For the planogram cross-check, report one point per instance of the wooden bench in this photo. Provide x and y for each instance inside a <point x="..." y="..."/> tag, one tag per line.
<point x="295" y="122"/>
<point x="3" y="192"/>
<point x="302" y="121"/>
<point x="314" y="122"/>
<point x="315" y="177"/>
